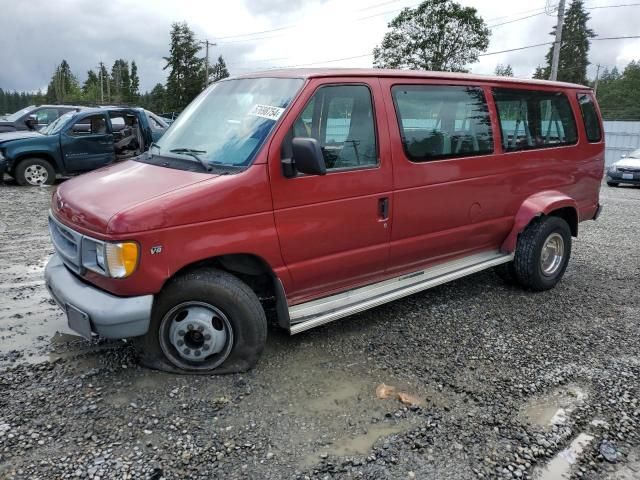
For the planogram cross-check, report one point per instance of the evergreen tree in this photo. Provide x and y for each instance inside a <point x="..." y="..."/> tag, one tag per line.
<point x="574" y="49"/>
<point x="540" y="73"/>
<point x="104" y="83"/>
<point x="504" y="70"/>
<point x="619" y="94"/>
<point x="64" y="86"/>
<point x="436" y="35"/>
<point x="134" y="87"/>
<point x="218" y="71"/>
<point x="186" y="74"/>
<point x="120" y="81"/>
<point x="91" y="87"/>
<point x="157" y="99"/>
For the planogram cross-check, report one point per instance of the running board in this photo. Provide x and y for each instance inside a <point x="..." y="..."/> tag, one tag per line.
<point x="324" y="310"/>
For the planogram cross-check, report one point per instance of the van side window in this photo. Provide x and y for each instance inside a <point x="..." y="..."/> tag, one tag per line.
<point x="341" y="118"/>
<point x="439" y="121"/>
<point x="534" y="119"/>
<point x="590" y="117"/>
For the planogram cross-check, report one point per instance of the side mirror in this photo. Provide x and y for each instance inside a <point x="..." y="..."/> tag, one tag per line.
<point x="624" y="155"/>
<point x="31" y="122"/>
<point x="307" y="156"/>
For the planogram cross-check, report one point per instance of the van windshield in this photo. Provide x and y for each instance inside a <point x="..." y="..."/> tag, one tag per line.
<point x="227" y="124"/>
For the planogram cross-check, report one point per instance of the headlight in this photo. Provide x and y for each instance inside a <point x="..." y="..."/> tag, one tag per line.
<point x="116" y="260"/>
<point x="613" y="168"/>
<point x="1" y="156"/>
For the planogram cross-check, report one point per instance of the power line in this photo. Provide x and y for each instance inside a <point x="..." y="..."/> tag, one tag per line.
<point x="516" y="20"/>
<point x="480" y="55"/>
<point x="294" y="25"/>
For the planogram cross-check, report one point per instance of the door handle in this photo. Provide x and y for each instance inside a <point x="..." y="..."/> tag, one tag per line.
<point x="383" y="208"/>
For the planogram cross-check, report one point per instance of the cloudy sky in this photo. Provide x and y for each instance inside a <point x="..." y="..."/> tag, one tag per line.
<point x="261" y="34"/>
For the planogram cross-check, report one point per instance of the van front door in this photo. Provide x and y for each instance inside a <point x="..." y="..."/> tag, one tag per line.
<point x="88" y="144"/>
<point x="334" y="229"/>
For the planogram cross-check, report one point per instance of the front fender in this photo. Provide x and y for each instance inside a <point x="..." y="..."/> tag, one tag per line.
<point x="45" y="148"/>
<point x="541" y="203"/>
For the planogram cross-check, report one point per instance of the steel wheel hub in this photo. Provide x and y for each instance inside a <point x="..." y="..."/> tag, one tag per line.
<point x="198" y="330"/>
<point x="552" y="254"/>
<point x="36" y="174"/>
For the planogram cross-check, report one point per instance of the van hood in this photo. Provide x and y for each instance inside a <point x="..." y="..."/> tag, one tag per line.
<point x="18" y="135"/>
<point x="90" y="201"/>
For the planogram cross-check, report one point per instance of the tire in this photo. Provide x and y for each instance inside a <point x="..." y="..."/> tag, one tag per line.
<point x="35" y="172"/>
<point x="533" y="269"/>
<point x="612" y="184"/>
<point x="507" y="273"/>
<point x="224" y="317"/>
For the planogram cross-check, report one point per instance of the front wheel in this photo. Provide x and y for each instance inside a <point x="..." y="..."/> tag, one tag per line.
<point x="35" y="172"/>
<point x="206" y="321"/>
<point x="613" y="184"/>
<point x="542" y="253"/>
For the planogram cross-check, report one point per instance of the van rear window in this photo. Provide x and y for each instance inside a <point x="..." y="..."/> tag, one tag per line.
<point x="534" y="119"/>
<point x="590" y="117"/>
<point x="442" y="121"/>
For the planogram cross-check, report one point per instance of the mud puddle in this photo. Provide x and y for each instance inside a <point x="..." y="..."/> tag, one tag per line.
<point x="553" y="408"/>
<point x="560" y="466"/>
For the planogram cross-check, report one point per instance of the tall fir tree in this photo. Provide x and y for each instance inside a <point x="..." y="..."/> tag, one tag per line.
<point x="134" y="86"/>
<point x="574" y="49"/>
<point x="218" y="70"/>
<point x="64" y="86"/>
<point x="120" y="81"/>
<point x="504" y="70"/>
<point x="186" y="69"/>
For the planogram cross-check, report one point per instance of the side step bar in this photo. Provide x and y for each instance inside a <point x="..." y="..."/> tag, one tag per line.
<point x="324" y="310"/>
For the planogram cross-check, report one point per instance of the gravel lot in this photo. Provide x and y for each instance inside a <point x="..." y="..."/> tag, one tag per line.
<point x="506" y="380"/>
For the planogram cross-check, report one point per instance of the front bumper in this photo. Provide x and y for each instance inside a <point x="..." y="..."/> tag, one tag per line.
<point x="108" y="316"/>
<point x="617" y="177"/>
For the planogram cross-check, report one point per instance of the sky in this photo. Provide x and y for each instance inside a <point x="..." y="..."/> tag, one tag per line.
<point x="37" y="34"/>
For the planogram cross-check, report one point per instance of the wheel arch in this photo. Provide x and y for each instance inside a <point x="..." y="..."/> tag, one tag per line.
<point x="550" y="203"/>
<point x="253" y="270"/>
<point x="27" y="155"/>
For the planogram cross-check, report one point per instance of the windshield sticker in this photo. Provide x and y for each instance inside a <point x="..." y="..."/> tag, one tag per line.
<point x="266" y="111"/>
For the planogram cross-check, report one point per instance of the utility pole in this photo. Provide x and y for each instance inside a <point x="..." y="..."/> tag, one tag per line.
<point x="206" y="61"/>
<point x="558" y="42"/>
<point x="595" y="84"/>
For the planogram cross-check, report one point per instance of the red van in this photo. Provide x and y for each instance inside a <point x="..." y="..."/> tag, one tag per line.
<point x="326" y="192"/>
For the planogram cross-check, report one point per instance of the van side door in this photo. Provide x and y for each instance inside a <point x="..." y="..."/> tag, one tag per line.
<point x="334" y="229"/>
<point x="87" y="144"/>
<point x="448" y="184"/>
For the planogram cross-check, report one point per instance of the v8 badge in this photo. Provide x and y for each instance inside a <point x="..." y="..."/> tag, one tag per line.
<point x="156" y="249"/>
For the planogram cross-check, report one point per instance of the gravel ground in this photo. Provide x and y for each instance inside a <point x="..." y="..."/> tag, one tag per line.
<point x="506" y="380"/>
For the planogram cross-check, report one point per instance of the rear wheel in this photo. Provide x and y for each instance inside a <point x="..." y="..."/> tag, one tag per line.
<point x="542" y="253"/>
<point x="206" y="321"/>
<point x="35" y="172"/>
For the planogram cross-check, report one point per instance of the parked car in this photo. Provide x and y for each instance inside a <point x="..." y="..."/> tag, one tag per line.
<point x="34" y="117"/>
<point x="625" y="170"/>
<point x="329" y="192"/>
<point x="77" y="142"/>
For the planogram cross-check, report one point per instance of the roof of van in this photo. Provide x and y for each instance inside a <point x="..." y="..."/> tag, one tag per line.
<point x="378" y="72"/>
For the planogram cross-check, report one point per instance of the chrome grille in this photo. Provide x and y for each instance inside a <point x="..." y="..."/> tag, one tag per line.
<point x="67" y="244"/>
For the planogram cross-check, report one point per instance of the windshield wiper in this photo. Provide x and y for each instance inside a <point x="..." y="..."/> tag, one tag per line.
<point x="193" y="153"/>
